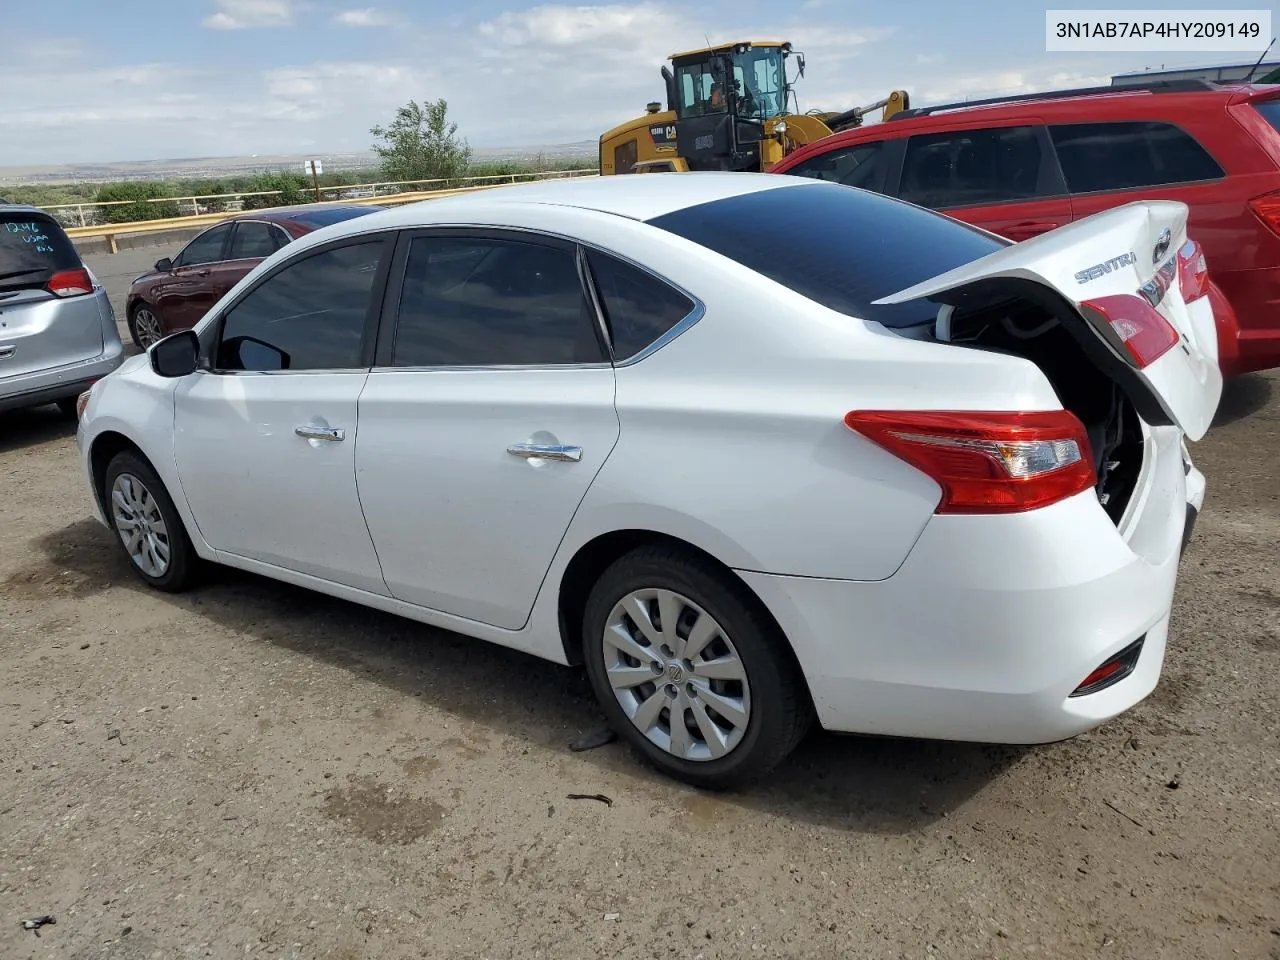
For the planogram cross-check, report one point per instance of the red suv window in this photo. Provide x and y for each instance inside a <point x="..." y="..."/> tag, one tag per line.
<point x="1128" y="155"/>
<point x="970" y="167"/>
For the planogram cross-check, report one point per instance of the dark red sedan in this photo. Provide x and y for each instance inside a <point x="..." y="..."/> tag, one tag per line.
<point x="178" y="292"/>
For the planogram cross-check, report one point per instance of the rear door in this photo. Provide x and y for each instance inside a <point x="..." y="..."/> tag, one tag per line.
<point x="187" y="293"/>
<point x="39" y="329"/>
<point x="486" y="417"/>
<point x="1118" y="268"/>
<point x="1001" y="177"/>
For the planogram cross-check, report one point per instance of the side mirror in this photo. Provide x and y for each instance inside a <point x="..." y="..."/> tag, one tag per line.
<point x="164" y="266"/>
<point x="177" y="355"/>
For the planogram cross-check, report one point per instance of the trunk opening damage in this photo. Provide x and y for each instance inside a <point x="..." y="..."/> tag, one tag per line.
<point x="1113" y="311"/>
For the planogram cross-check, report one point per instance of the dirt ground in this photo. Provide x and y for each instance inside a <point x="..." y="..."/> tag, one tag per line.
<point x="251" y="769"/>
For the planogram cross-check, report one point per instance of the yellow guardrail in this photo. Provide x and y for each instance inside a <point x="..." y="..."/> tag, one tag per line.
<point x="112" y="230"/>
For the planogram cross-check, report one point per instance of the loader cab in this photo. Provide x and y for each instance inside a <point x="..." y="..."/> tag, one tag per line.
<point x="721" y="97"/>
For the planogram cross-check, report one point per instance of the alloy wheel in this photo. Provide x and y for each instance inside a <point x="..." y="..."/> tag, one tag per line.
<point x="676" y="674"/>
<point x="147" y="326"/>
<point x="140" y="525"/>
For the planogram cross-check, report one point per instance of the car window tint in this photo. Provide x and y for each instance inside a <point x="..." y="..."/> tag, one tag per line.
<point x="32" y="249"/>
<point x="205" y="248"/>
<point x="253" y="240"/>
<point x="842" y="248"/>
<point x="1122" y="156"/>
<point x="638" y="306"/>
<point x="963" y="167"/>
<point x="482" y="302"/>
<point x="309" y="316"/>
<point x="856" y="166"/>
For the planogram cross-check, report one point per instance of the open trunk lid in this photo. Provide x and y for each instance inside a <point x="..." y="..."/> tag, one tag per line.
<point x="1114" y="268"/>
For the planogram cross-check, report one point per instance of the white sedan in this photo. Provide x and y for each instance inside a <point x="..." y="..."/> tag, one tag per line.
<point x="753" y="450"/>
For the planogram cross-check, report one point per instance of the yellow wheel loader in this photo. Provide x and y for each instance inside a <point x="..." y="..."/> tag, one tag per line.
<point x="729" y="107"/>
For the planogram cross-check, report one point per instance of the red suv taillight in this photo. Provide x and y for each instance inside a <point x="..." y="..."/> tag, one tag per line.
<point x="1267" y="209"/>
<point x="1146" y="334"/>
<point x="999" y="462"/>
<point x="1193" y="271"/>
<point x="70" y="283"/>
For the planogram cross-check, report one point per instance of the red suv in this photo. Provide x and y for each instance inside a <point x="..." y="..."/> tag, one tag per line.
<point x="1020" y="166"/>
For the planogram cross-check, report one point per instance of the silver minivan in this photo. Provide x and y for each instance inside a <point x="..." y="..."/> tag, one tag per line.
<point x="58" y="332"/>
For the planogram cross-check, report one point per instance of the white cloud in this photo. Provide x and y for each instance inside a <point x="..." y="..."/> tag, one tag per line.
<point x="366" y="17"/>
<point x="239" y="14"/>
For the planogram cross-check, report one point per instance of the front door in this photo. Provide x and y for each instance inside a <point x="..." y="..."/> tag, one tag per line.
<point x="265" y="440"/>
<point x="187" y="293"/>
<point x="488" y="415"/>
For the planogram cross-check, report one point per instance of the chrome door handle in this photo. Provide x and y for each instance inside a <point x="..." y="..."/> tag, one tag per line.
<point x="321" y="433"/>
<point x="545" y="451"/>
<point x="7" y="351"/>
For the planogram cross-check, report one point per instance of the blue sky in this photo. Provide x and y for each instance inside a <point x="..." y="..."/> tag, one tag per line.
<point x="87" y="80"/>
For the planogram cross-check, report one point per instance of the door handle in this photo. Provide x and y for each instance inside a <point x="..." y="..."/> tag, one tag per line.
<point x="7" y="351"/>
<point x="320" y="433"/>
<point x="1031" y="228"/>
<point x="545" y="451"/>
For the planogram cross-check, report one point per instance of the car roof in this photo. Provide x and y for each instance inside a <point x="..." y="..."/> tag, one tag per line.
<point x="635" y="196"/>
<point x="1095" y="104"/>
<point x="298" y="212"/>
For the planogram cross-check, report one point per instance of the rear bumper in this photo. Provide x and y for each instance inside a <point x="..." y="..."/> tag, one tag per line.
<point x="992" y="622"/>
<point x="49" y="386"/>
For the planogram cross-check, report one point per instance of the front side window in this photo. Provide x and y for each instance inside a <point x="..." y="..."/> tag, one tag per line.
<point x="857" y="166"/>
<point x="206" y="248"/>
<point x="1125" y="156"/>
<point x="968" y="167"/>
<point x="311" y="315"/>
<point x="493" y="302"/>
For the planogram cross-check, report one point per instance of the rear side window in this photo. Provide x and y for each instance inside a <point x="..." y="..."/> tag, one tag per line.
<point x="32" y="249"/>
<point x="967" y="167"/>
<point x="842" y="248"/>
<point x="856" y="166"/>
<point x="253" y="240"/>
<point x="638" y="307"/>
<point x="490" y="302"/>
<point x="1270" y="110"/>
<point x="1125" y="156"/>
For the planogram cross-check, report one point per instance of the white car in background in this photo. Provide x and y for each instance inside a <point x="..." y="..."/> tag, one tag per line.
<point x="752" y="449"/>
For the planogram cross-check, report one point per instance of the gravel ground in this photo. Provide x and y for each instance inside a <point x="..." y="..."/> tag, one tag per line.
<point x="251" y="769"/>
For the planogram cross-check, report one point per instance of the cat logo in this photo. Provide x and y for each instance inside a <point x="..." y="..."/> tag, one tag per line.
<point x="663" y="133"/>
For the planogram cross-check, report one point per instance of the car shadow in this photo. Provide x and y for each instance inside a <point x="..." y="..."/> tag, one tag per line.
<point x="1243" y="396"/>
<point x="33" y="426"/>
<point x="862" y="785"/>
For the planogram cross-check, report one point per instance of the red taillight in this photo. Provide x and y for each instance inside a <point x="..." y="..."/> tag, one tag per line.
<point x="1193" y="272"/>
<point x="987" y="462"/>
<point x="70" y="283"/>
<point x="1146" y="335"/>
<point x="1267" y="209"/>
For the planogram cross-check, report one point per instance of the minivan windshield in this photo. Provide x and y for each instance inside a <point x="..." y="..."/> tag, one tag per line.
<point x="32" y="249"/>
<point x="840" y="246"/>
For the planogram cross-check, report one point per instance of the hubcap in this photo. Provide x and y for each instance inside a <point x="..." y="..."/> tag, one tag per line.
<point x="147" y="324"/>
<point x="676" y="674"/>
<point x="140" y="525"/>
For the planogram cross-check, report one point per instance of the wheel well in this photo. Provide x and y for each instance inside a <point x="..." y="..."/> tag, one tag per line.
<point x="595" y="556"/>
<point x="104" y="449"/>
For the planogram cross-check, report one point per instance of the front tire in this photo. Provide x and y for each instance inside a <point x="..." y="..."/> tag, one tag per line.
<point x="147" y="525"/>
<point x="690" y="670"/>
<point x="144" y="326"/>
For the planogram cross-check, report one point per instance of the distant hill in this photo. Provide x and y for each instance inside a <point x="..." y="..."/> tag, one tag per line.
<point x="197" y="167"/>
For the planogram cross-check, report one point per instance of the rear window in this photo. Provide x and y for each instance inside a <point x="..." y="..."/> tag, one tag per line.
<point x="1125" y="156"/>
<point x="315" y="219"/>
<point x="32" y="249"/>
<point x="1270" y="110"/>
<point x="836" y="245"/>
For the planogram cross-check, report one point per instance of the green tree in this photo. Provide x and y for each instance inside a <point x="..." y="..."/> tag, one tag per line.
<point x="421" y="144"/>
<point x="138" y="193"/>
<point x="294" y="189"/>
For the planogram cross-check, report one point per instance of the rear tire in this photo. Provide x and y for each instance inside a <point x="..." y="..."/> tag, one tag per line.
<point x="147" y="525"/>
<point x="714" y="698"/>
